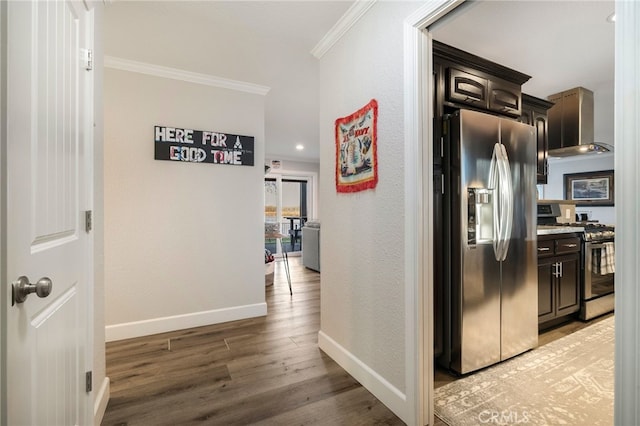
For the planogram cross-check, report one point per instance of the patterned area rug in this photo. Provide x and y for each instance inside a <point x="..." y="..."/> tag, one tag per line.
<point x="566" y="382"/>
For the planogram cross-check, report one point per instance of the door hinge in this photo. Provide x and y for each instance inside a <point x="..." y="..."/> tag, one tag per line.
<point x="87" y="56"/>
<point x="88" y="381"/>
<point x="88" y="220"/>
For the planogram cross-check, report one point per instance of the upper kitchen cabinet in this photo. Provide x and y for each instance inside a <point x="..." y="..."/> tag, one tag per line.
<point x="469" y="81"/>
<point x="465" y="88"/>
<point x="534" y="112"/>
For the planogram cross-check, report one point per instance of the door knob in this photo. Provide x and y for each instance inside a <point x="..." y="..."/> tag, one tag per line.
<point x="22" y="288"/>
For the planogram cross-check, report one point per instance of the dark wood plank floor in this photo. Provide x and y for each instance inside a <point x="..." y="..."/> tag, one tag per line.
<point x="265" y="370"/>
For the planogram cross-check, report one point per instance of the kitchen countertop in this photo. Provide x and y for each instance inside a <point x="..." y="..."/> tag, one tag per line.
<point x="552" y="229"/>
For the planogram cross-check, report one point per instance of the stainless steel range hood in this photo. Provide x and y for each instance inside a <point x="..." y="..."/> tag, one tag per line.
<point x="571" y="124"/>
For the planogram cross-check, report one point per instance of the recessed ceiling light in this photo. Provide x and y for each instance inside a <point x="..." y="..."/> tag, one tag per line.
<point x="299" y="147"/>
<point x="612" y="17"/>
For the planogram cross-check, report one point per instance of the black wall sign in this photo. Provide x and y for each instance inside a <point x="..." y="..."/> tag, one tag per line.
<point x="202" y="146"/>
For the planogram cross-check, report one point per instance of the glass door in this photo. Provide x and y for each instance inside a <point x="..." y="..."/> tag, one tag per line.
<point x="294" y="212"/>
<point x="285" y="212"/>
<point x="271" y="218"/>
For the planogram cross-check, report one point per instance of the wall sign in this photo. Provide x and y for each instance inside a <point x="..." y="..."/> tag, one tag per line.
<point x="202" y="146"/>
<point x="356" y="151"/>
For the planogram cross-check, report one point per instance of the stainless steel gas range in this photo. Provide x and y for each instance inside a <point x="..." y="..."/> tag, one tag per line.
<point x="598" y="270"/>
<point x="597" y="264"/>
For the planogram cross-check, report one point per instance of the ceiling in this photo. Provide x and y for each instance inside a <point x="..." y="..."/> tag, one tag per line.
<point x="561" y="44"/>
<point x="261" y="42"/>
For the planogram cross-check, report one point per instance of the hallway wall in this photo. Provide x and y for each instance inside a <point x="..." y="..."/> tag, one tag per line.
<point x="183" y="241"/>
<point x="363" y="265"/>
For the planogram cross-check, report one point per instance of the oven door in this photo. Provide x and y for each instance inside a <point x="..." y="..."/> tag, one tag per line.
<point x="598" y="270"/>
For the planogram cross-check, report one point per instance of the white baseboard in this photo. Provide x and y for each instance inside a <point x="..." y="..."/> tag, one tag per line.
<point x="388" y="394"/>
<point x="101" y="401"/>
<point x="180" y="322"/>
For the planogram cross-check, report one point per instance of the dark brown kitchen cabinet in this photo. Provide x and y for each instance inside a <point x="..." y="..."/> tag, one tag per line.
<point x="534" y="112"/>
<point x="472" y="82"/>
<point x="558" y="276"/>
<point x="466" y="88"/>
<point x="505" y="97"/>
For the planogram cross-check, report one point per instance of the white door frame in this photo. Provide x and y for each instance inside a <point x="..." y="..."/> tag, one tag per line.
<point x="627" y="152"/>
<point x="3" y="208"/>
<point x="419" y="209"/>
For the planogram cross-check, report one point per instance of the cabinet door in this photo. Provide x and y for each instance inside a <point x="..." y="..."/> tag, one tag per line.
<point x="546" y="287"/>
<point x="527" y="116"/>
<point x="467" y="88"/>
<point x="542" y="136"/>
<point x="505" y="97"/>
<point x="568" y="292"/>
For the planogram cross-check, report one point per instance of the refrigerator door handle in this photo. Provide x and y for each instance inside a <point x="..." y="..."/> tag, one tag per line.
<point x="500" y="181"/>
<point x="494" y="185"/>
<point x="506" y="187"/>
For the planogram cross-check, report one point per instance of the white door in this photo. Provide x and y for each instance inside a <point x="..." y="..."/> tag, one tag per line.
<point x="49" y="184"/>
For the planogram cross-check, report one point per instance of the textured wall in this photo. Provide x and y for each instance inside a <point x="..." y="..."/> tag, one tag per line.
<point x="362" y="233"/>
<point x="179" y="238"/>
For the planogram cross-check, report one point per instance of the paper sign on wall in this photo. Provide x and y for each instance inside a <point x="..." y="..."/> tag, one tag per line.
<point x="202" y="146"/>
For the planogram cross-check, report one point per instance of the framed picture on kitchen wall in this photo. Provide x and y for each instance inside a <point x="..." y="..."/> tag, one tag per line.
<point x="590" y="188"/>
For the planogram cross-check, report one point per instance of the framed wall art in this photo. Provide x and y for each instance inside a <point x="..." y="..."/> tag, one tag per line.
<point x="356" y="151"/>
<point x="590" y="188"/>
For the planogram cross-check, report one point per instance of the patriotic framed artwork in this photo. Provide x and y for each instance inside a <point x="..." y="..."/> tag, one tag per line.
<point x="356" y="151"/>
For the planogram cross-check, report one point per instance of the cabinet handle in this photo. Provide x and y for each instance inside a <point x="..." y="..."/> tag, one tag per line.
<point x="544" y="248"/>
<point x="570" y="245"/>
<point x="557" y="270"/>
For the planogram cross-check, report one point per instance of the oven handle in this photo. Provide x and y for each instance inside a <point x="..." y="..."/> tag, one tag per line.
<point x="588" y="246"/>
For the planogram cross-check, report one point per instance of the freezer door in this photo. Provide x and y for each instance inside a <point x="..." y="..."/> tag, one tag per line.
<point x="519" y="269"/>
<point x="475" y="290"/>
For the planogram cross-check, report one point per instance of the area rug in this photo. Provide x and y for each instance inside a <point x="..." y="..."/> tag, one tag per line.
<point x="566" y="382"/>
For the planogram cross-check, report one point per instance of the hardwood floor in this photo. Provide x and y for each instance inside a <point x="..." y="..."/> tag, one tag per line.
<point x="265" y="370"/>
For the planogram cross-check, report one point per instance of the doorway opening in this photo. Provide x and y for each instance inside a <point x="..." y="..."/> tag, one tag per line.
<point x="450" y="29"/>
<point x="287" y="205"/>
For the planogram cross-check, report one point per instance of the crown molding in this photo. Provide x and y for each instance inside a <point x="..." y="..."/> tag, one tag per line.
<point x="183" y="75"/>
<point x="351" y="16"/>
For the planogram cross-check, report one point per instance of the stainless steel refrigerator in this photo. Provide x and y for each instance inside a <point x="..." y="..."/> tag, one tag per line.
<point x="491" y="296"/>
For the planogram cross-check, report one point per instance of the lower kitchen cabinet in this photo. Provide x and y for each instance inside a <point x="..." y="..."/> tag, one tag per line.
<point x="558" y="276"/>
